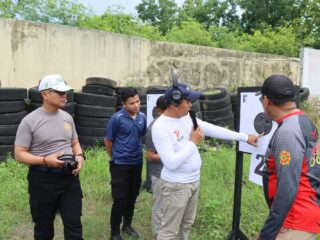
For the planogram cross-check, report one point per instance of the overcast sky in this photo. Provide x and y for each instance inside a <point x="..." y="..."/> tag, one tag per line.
<point x="99" y="6"/>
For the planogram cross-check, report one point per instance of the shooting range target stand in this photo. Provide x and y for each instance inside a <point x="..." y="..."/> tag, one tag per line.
<point x="249" y="118"/>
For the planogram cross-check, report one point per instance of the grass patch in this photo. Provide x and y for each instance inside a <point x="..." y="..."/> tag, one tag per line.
<point x="215" y="206"/>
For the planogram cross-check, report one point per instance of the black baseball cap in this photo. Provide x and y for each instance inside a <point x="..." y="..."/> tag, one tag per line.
<point x="161" y="103"/>
<point x="278" y="88"/>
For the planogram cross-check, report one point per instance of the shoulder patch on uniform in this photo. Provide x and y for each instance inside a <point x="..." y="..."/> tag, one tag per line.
<point x="285" y="158"/>
<point x="67" y="126"/>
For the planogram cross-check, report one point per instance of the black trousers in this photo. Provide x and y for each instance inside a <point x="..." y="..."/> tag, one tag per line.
<point x="125" y="187"/>
<point x="52" y="192"/>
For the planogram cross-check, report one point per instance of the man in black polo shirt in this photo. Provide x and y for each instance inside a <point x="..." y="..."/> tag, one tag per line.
<point x="123" y="144"/>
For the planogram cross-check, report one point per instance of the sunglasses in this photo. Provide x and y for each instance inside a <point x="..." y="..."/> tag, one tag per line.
<point x="57" y="92"/>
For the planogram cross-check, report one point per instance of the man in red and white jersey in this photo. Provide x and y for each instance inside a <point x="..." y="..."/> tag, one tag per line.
<point x="291" y="178"/>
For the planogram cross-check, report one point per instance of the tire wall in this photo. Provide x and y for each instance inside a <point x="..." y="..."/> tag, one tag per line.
<point x="216" y="108"/>
<point x="12" y="111"/>
<point x="95" y="105"/>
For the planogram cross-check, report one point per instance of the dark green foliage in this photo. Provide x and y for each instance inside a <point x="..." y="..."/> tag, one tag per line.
<point x="207" y="13"/>
<point x="161" y="13"/>
<point x="258" y="13"/>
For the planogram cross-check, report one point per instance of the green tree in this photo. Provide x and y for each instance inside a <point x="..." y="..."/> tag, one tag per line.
<point x="8" y="9"/>
<point x="210" y="12"/>
<point x="231" y="16"/>
<point x="68" y="12"/>
<point x="198" y="10"/>
<point x="161" y="14"/>
<point x="258" y="13"/>
<point x="190" y="32"/>
<point x="302" y="15"/>
<point x="307" y="26"/>
<point x="148" y="11"/>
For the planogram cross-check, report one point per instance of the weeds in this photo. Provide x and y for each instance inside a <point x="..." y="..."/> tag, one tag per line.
<point x="214" y="213"/>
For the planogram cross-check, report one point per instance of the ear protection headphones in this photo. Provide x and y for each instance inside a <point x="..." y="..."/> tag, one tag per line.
<point x="176" y="95"/>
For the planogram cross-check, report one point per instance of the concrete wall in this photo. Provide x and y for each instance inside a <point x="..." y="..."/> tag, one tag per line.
<point x="29" y="50"/>
<point x="311" y="70"/>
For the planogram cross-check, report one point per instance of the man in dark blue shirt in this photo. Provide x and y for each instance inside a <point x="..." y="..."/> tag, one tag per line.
<point x="123" y="144"/>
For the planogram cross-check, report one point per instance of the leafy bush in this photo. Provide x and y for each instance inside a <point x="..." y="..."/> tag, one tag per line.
<point x="223" y="38"/>
<point x="121" y="23"/>
<point x="281" y="41"/>
<point x="190" y="32"/>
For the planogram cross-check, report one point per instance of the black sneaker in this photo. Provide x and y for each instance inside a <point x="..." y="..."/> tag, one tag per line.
<point x="116" y="237"/>
<point x="130" y="231"/>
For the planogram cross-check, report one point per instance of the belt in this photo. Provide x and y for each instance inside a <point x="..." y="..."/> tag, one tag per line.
<point x="47" y="169"/>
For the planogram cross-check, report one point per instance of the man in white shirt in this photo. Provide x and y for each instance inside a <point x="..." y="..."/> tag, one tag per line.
<point x="176" y="142"/>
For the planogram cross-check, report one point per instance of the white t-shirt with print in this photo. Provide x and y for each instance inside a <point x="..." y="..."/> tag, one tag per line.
<point x="180" y="156"/>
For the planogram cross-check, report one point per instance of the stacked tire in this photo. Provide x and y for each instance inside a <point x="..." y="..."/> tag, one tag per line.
<point x="95" y="105"/>
<point x="35" y="101"/>
<point x="216" y="107"/>
<point x="12" y="111"/>
<point x="196" y="108"/>
<point x="235" y="109"/>
<point x="143" y="99"/>
<point x="304" y="94"/>
<point x="118" y="97"/>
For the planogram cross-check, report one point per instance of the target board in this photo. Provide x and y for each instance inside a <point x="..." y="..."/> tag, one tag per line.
<point x="253" y="120"/>
<point x="151" y="106"/>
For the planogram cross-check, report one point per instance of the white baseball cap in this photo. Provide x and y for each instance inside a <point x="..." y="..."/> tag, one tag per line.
<point x="55" y="82"/>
